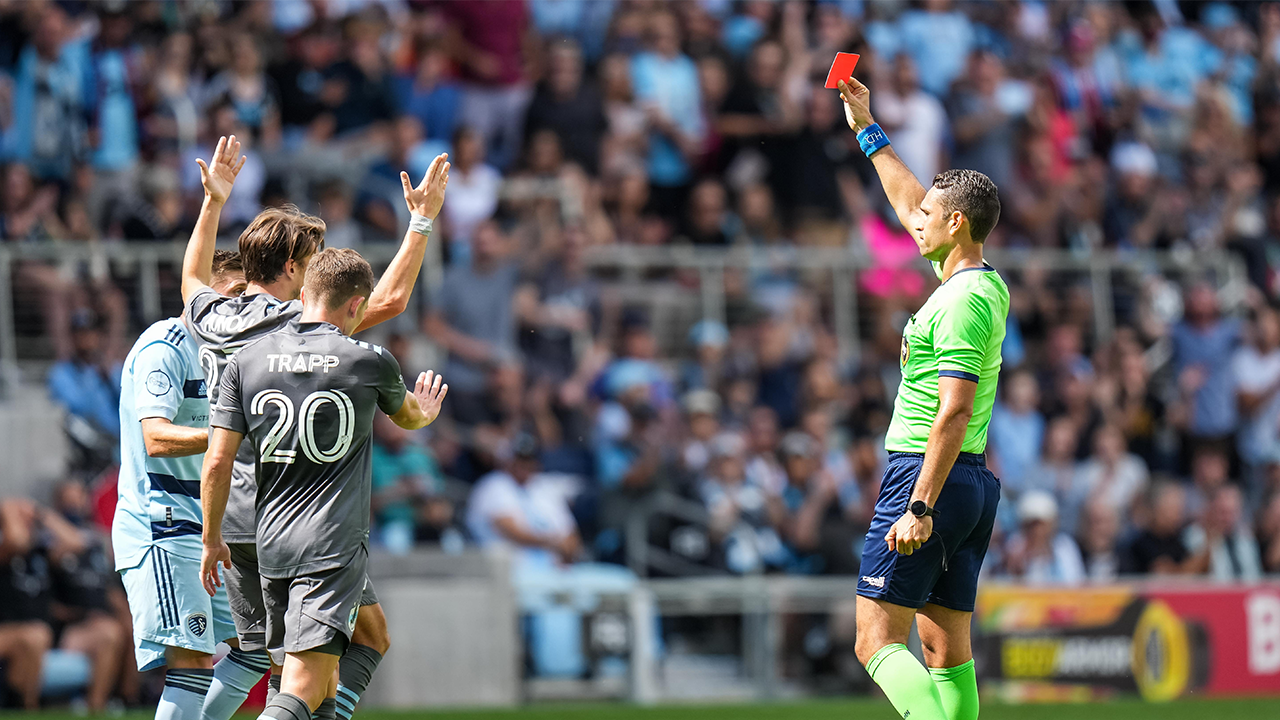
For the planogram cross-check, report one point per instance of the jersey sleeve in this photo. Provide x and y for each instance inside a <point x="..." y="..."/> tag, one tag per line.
<point x="229" y="412"/>
<point x="961" y="335"/>
<point x="158" y="376"/>
<point x="200" y="305"/>
<point x="391" y="387"/>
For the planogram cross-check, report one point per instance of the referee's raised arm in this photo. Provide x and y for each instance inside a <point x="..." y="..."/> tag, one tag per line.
<point x="904" y="191"/>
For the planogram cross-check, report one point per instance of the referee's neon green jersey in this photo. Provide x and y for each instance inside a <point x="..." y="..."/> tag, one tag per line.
<point x="957" y="333"/>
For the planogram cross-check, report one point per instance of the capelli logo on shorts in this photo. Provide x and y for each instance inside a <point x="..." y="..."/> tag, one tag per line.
<point x="875" y="582"/>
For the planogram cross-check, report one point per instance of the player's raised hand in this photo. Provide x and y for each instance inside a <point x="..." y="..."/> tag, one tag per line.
<point x="857" y="103"/>
<point x="210" y="559"/>
<point x="428" y="197"/>
<point x="220" y="173"/>
<point x="430" y="392"/>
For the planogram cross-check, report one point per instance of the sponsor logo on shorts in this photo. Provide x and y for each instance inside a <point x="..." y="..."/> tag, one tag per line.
<point x="876" y="582"/>
<point x="197" y="623"/>
<point x="351" y="619"/>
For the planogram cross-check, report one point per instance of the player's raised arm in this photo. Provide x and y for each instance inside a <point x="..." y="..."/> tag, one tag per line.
<point x="900" y="185"/>
<point x="217" y="176"/>
<point x="215" y="488"/>
<point x="422" y="406"/>
<point x="391" y="296"/>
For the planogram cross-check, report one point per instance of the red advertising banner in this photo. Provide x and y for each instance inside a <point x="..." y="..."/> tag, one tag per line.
<point x="1161" y="640"/>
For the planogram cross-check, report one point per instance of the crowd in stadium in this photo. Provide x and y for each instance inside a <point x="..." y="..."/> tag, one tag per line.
<point x="1107" y="126"/>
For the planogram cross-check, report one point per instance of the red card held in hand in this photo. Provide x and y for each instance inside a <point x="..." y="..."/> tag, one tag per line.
<point x="841" y="69"/>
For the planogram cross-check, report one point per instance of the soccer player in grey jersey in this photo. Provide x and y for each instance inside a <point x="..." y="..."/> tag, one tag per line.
<point x="276" y="249"/>
<point x="305" y="396"/>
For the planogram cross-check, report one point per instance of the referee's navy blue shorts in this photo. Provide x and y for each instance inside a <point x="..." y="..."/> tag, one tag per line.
<point x="944" y="571"/>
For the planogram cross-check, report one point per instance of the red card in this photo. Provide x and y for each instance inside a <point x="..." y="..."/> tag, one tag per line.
<point x="841" y="69"/>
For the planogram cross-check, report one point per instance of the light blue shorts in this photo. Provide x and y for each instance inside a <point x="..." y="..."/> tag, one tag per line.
<point x="171" y="609"/>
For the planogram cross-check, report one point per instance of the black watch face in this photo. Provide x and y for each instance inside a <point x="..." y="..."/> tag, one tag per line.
<point x="918" y="508"/>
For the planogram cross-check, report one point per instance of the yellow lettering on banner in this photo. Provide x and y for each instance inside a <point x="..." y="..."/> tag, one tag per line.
<point x="1030" y="657"/>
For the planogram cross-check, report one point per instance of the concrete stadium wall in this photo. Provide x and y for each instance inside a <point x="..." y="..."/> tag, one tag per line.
<point x="454" y="629"/>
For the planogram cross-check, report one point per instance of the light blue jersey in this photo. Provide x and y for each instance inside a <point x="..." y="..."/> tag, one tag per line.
<point x="159" y="498"/>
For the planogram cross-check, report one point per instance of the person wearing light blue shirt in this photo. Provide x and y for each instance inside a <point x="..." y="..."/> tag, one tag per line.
<point x="156" y="531"/>
<point x="666" y="80"/>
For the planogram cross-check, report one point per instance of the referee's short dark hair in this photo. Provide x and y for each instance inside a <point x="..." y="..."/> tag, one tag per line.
<point x="973" y="194"/>
<point x="336" y="275"/>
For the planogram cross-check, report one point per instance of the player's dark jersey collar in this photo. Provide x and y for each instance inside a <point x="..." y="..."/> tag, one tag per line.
<point x="318" y="326"/>
<point x="986" y="267"/>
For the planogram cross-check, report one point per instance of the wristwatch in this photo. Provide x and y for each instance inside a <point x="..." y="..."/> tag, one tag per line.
<point x="920" y="509"/>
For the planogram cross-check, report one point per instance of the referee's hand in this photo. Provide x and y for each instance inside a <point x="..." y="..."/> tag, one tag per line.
<point x="909" y="533"/>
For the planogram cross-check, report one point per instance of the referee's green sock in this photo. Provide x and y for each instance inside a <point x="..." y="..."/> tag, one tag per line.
<point x="906" y="683"/>
<point x="958" y="688"/>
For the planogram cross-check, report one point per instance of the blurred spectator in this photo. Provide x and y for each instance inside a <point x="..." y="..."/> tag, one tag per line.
<point x="983" y="111"/>
<point x="559" y="309"/>
<point x="1098" y="538"/>
<point x="1256" y="370"/>
<point x="938" y="37"/>
<point x="473" y="192"/>
<point x="50" y="98"/>
<point x="701" y="411"/>
<point x="358" y="90"/>
<point x="487" y="41"/>
<point x="471" y="316"/>
<point x="706" y="369"/>
<point x="1135" y="216"/>
<point x="742" y="513"/>
<point x="1210" y="472"/>
<point x="25" y="634"/>
<point x="1159" y="548"/>
<point x="516" y="508"/>
<point x="1038" y="553"/>
<point x="1223" y="535"/>
<point x="87" y="386"/>
<point x="1017" y="431"/>
<point x="430" y="95"/>
<point x="300" y="81"/>
<point x="568" y="106"/>
<point x="408" y="489"/>
<point x="1269" y="534"/>
<point x="1111" y="472"/>
<point x="666" y="86"/>
<point x="822" y="526"/>
<point x="914" y="116"/>
<point x="84" y="584"/>
<point x="1203" y="345"/>
<point x="247" y="89"/>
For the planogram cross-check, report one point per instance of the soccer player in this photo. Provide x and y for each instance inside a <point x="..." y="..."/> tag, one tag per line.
<point x="306" y="396"/>
<point x="164" y="429"/>
<point x="275" y="249"/>
<point x="937" y="502"/>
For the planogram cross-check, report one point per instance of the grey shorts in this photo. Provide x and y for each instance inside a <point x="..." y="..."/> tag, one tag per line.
<point x="314" y="611"/>
<point x="245" y="592"/>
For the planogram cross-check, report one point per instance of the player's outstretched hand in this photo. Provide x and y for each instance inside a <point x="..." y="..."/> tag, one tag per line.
<point x="428" y="197"/>
<point x="430" y="393"/>
<point x="220" y="173"/>
<point x="210" y="559"/>
<point x="909" y="533"/>
<point x="857" y="103"/>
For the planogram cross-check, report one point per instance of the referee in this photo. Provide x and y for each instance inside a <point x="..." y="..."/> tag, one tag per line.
<point x="937" y="500"/>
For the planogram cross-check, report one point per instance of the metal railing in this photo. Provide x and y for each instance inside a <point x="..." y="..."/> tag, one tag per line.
<point x="630" y="265"/>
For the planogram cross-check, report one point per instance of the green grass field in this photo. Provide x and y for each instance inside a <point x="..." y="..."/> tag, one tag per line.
<point x="1250" y="709"/>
